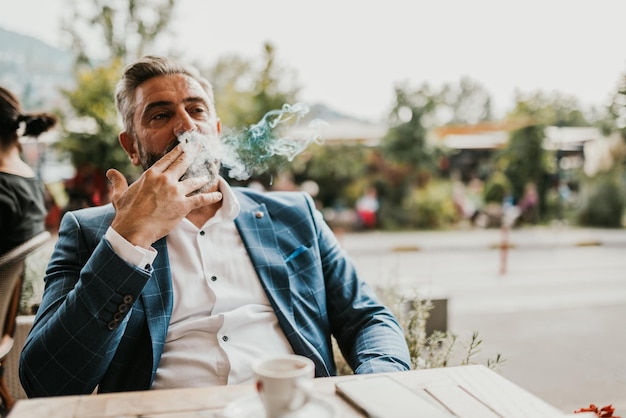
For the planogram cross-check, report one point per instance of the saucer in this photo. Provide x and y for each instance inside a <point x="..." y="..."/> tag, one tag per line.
<point x="252" y="407"/>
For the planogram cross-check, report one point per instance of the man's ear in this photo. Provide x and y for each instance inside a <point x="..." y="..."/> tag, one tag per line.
<point x="130" y="146"/>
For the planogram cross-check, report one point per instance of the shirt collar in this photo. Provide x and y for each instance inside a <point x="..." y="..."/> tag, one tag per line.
<point x="230" y="205"/>
<point x="227" y="212"/>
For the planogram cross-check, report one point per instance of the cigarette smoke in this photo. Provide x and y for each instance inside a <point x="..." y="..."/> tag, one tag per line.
<point x="248" y="152"/>
<point x="208" y="154"/>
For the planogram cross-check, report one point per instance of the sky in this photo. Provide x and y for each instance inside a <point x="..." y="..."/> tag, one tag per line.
<point x="350" y="54"/>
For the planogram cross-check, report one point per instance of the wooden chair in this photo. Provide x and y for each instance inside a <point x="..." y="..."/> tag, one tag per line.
<point x="11" y="273"/>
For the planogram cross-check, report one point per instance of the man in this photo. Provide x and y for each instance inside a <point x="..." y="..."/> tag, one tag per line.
<point x="185" y="281"/>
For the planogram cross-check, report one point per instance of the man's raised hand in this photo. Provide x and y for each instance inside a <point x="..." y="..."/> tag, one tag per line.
<point x="153" y="205"/>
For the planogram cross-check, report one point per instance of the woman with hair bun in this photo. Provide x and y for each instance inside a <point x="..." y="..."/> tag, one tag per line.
<point x="22" y="193"/>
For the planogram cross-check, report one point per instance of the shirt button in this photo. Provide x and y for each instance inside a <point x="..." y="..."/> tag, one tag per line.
<point x="202" y="233"/>
<point x="213" y="278"/>
<point x="225" y="338"/>
<point x="259" y="214"/>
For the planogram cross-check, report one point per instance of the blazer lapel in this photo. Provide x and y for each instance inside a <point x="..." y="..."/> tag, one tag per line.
<point x="158" y="297"/>
<point x="259" y="237"/>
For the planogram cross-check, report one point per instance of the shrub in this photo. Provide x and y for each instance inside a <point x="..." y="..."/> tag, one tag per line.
<point x="431" y="207"/>
<point x="439" y="349"/>
<point x="603" y="203"/>
<point x="497" y="188"/>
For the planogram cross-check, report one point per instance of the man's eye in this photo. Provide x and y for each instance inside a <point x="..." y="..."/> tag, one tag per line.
<point x="159" y="116"/>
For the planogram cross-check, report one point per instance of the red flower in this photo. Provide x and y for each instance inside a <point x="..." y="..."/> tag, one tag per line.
<point x="604" y="412"/>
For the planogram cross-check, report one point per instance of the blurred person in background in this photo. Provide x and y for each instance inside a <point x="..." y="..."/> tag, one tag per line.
<point x="22" y="194"/>
<point x="185" y="281"/>
<point x="367" y="208"/>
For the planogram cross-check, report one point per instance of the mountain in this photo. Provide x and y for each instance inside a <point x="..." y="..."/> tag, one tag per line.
<point x="34" y="70"/>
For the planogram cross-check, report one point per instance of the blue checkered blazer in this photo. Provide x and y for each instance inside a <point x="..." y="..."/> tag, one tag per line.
<point x="102" y="322"/>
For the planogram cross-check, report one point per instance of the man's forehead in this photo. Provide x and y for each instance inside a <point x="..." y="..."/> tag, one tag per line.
<point x="169" y="88"/>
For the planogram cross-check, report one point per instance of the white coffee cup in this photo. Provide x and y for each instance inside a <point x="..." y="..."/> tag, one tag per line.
<point x="284" y="383"/>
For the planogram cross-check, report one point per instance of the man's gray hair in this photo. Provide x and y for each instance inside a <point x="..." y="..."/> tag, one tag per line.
<point x="143" y="69"/>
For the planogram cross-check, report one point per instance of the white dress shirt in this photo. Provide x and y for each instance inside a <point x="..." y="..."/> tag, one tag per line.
<point x="222" y="321"/>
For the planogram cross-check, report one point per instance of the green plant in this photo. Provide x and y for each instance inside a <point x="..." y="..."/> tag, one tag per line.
<point x="604" y="203"/>
<point x="497" y="188"/>
<point x="431" y="207"/>
<point x="439" y="349"/>
<point x="33" y="284"/>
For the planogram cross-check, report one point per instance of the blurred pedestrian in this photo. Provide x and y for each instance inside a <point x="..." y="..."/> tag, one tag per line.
<point x="367" y="208"/>
<point x="22" y="193"/>
<point x="529" y="204"/>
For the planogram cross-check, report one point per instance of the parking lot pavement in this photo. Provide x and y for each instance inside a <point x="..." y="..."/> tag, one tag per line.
<point x="555" y="312"/>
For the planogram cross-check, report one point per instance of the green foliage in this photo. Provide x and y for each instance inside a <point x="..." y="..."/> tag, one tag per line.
<point x="431" y="207"/>
<point x="405" y="143"/>
<point x="604" y="201"/>
<point x="554" y="109"/>
<point x="92" y="137"/>
<point x="91" y="131"/>
<point x="411" y="158"/>
<point x="440" y="349"/>
<point x="339" y="171"/>
<point x="525" y="158"/>
<point x="129" y="28"/>
<point x="232" y="80"/>
<point x="469" y="102"/>
<point x="245" y="93"/>
<point x="34" y="271"/>
<point x="497" y="188"/>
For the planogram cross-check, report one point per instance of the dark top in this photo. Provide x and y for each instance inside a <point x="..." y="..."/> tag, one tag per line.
<point x="22" y="210"/>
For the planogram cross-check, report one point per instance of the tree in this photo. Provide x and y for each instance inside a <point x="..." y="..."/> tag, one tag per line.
<point x="91" y="135"/>
<point x="124" y="29"/>
<point x="92" y="128"/>
<point x="469" y="102"/>
<point x="245" y="93"/>
<point x="409" y="159"/>
<point x="526" y="162"/>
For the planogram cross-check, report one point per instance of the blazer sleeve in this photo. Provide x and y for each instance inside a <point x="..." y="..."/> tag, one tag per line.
<point x="368" y="334"/>
<point x="83" y="314"/>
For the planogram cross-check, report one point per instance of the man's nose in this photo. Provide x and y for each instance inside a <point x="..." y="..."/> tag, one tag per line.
<point x="184" y="123"/>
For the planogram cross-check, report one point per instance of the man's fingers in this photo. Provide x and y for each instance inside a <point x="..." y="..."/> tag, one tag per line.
<point x="118" y="182"/>
<point x="205" y="199"/>
<point x="177" y="160"/>
<point x="191" y="184"/>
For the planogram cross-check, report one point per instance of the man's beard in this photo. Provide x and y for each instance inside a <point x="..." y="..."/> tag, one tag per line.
<point x="206" y="163"/>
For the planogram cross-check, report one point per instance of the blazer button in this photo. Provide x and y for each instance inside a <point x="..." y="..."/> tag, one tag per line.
<point x="259" y="214"/>
<point x="123" y="308"/>
<point x="128" y="299"/>
<point x="112" y="325"/>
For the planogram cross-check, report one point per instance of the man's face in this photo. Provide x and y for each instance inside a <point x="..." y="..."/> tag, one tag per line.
<point x="167" y="107"/>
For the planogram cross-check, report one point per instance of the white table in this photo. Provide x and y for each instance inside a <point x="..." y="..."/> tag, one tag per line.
<point x="466" y="391"/>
